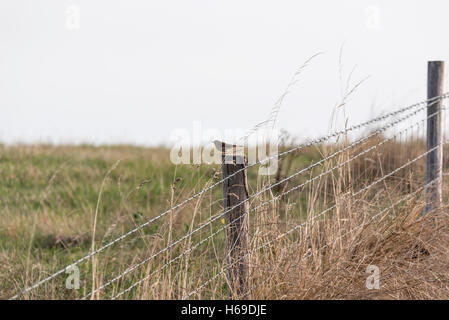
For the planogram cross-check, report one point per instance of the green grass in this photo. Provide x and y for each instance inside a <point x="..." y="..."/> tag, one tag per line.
<point x="48" y="198"/>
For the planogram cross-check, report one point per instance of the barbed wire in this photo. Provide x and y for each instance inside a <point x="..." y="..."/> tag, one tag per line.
<point x="322" y="213"/>
<point x="364" y="223"/>
<point x="406" y="197"/>
<point x="426" y="102"/>
<point x="261" y="192"/>
<point x="291" y="190"/>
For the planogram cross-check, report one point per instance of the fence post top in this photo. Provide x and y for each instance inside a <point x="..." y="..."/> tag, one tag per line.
<point x="436" y="62"/>
<point x="234" y="159"/>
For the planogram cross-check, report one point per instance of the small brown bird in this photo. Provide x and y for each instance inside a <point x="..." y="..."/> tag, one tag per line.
<point x="232" y="153"/>
<point x="226" y="147"/>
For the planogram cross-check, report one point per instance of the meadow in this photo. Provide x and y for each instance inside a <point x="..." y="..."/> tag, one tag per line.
<point x="58" y="203"/>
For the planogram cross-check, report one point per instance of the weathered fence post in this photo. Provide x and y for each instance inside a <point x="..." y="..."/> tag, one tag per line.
<point x="434" y="159"/>
<point x="234" y="192"/>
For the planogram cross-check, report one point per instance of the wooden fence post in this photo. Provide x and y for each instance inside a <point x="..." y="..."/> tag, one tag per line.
<point x="234" y="192"/>
<point x="434" y="159"/>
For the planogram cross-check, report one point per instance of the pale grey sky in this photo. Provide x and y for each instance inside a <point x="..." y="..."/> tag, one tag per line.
<point x="105" y="71"/>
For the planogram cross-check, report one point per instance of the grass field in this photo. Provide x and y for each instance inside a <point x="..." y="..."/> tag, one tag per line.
<point x="60" y="203"/>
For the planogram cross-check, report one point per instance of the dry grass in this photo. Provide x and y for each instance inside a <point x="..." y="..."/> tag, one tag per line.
<point x="329" y="258"/>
